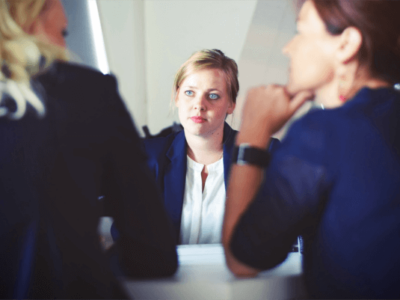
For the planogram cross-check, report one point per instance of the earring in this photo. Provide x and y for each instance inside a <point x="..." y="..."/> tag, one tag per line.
<point x="342" y="83"/>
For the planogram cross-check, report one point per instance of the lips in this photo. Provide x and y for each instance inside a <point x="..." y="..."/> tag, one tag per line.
<point x="197" y="119"/>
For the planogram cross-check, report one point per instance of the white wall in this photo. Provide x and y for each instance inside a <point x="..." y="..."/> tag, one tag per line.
<point x="122" y="23"/>
<point x="147" y="41"/>
<point x="174" y="30"/>
<point x="262" y="61"/>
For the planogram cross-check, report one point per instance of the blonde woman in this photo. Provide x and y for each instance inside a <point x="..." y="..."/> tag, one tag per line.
<point x="66" y="138"/>
<point x="192" y="167"/>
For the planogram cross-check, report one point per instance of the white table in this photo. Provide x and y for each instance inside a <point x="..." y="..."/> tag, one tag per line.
<point x="202" y="274"/>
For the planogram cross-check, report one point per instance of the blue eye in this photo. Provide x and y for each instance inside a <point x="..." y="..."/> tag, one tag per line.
<point x="213" y="96"/>
<point x="189" y="93"/>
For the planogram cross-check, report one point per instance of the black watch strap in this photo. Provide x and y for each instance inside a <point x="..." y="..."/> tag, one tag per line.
<point x="244" y="154"/>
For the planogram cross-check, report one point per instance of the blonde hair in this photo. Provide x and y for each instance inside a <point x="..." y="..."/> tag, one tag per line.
<point x="22" y="55"/>
<point x="209" y="59"/>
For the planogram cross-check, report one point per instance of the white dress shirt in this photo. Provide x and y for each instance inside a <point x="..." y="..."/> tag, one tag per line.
<point x="203" y="211"/>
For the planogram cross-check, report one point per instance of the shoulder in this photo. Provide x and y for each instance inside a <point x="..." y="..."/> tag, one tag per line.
<point x="229" y="135"/>
<point x="81" y="88"/>
<point x="83" y="96"/>
<point x="156" y="148"/>
<point x="73" y="71"/>
<point x="312" y="138"/>
<point x="314" y="123"/>
<point x="63" y="75"/>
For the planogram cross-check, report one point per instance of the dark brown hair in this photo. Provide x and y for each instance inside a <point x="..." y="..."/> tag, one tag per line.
<point x="379" y="23"/>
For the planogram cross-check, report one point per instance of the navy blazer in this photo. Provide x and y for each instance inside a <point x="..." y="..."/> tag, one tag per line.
<point x="334" y="180"/>
<point x="52" y="171"/>
<point x="167" y="161"/>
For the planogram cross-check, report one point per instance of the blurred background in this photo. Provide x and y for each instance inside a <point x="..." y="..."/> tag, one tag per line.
<point x="144" y="42"/>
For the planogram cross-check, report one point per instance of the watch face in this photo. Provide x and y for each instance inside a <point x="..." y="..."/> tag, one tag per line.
<point x="247" y="155"/>
<point x="240" y="159"/>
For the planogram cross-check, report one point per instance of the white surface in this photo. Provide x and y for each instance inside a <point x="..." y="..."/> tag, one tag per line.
<point x="203" y="275"/>
<point x="203" y="211"/>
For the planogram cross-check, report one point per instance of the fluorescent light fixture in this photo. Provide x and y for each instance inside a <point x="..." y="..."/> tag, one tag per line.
<point x="99" y="47"/>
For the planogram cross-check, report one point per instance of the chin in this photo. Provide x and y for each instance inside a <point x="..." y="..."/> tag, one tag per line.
<point x="202" y="132"/>
<point x="292" y="89"/>
<point x="195" y="130"/>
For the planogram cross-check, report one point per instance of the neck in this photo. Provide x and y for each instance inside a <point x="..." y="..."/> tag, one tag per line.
<point x="205" y="150"/>
<point x="328" y="95"/>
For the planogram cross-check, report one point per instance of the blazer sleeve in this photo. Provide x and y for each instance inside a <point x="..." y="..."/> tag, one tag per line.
<point x="273" y="145"/>
<point x="146" y="246"/>
<point x="289" y="199"/>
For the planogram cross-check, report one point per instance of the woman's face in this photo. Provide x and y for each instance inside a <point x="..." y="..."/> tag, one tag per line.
<point x="203" y="102"/>
<point x="51" y="24"/>
<point x="311" y="52"/>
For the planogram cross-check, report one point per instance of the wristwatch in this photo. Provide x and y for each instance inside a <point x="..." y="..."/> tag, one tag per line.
<point x="244" y="154"/>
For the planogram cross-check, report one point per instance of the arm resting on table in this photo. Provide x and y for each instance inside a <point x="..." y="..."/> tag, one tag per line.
<point x="243" y="185"/>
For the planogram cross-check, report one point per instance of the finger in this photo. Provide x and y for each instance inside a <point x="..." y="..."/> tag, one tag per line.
<point x="274" y="86"/>
<point x="299" y="99"/>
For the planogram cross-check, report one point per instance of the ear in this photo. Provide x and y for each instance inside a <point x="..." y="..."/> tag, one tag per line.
<point x="231" y="107"/>
<point x="350" y="43"/>
<point x="36" y="28"/>
<point x="32" y="29"/>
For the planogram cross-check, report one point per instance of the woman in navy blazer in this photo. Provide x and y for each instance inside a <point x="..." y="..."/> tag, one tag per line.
<point x="167" y="160"/>
<point x="205" y="89"/>
<point x="335" y="177"/>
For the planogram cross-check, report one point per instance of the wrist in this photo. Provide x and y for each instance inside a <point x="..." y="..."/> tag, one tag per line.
<point x="244" y="154"/>
<point x="254" y="138"/>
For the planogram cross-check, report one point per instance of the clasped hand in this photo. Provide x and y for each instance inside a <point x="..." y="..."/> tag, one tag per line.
<point x="266" y="110"/>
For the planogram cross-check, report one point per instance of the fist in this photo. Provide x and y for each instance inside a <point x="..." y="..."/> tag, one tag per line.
<point x="270" y="107"/>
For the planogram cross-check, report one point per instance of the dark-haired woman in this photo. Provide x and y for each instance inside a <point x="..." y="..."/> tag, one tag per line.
<point x="335" y="179"/>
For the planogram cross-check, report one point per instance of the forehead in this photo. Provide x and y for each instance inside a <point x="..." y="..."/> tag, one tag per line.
<point x="206" y="78"/>
<point x="309" y="18"/>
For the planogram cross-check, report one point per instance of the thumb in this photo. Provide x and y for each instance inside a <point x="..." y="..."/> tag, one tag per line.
<point x="299" y="99"/>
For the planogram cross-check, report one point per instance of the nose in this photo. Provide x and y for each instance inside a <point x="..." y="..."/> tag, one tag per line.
<point x="200" y="102"/>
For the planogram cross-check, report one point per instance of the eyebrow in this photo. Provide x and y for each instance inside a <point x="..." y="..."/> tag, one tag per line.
<point x="195" y="87"/>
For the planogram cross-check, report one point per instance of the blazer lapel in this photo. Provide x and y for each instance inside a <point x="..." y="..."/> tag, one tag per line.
<point x="174" y="180"/>
<point x="229" y="142"/>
